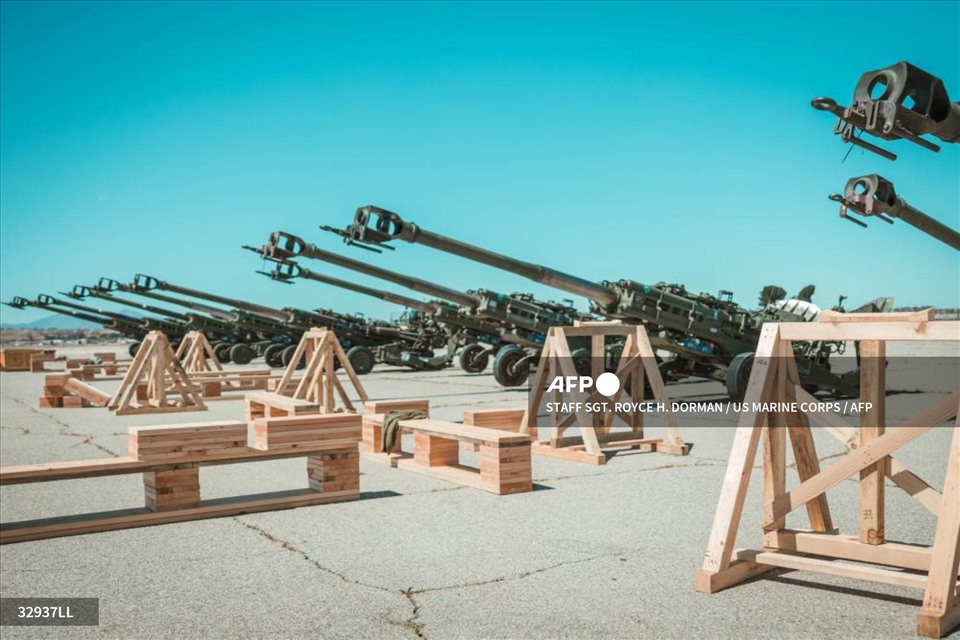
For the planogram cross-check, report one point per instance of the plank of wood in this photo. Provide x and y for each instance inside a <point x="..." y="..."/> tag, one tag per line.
<point x="844" y="547"/>
<point x="873" y="386"/>
<point x="406" y="404"/>
<point x="922" y="315"/>
<point x="282" y="402"/>
<point x="462" y="433"/>
<point x="52" y="471"/>
<point x="503" y="419"/>
<point x="746" y="440"/>
<point x="842" y="569"/>
<point x="940" y="330"/>
<point x="940" y="597"/>
<point x="131" y="518"/>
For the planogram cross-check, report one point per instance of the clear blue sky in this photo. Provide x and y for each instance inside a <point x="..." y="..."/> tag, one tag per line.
<point x="650" y="141"/>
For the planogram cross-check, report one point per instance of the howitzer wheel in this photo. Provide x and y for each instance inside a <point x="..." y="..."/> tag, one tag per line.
<point x="133" y="348"/>
<point x="738" y="375"/>
<point x="222" y="351"/>
<point x="272" y="355"/>
<point x="361" y="359"/>
<point x="511" y="366"/>
<point x="287" y="355"/>
<point x="581" y="361"/>
<point x="241" y="353"/>
<point x="474" y="358"/>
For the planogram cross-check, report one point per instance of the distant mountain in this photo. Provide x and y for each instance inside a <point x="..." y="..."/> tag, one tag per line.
<point x="54" y="321"/>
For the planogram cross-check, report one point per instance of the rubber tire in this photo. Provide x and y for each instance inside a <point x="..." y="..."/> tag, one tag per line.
<point x="581" y="362"/>
<point x="133" y="348"/>
<point x="222" y="351"/>
<point x="474" y="358"/>
<point x="241" y="353"/>
<point x="287" y="356"/>
<point x="504" y="370"/>
<point x="272" y="355"/>
<point x="361" y="359"/>
<point x="738" y="375"/>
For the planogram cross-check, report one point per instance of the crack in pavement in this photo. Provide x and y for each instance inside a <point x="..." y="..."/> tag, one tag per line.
<point x="65" y="428"/>
<point x="412" y="623"/>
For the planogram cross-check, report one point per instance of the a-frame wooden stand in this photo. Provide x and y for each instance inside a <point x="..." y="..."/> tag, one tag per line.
<point x="157" y="369"/>
<point x="637" y="360"/>
<point x="774" y="379"/>
<point x="319" y="383"/>
<point x="196" y="355"/>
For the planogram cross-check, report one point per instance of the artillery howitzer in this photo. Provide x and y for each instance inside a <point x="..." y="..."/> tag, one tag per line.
<point x="224" y="329"/>
<point x="911" y="103"/>
<point x="512" y="326"/>
<point x="710" y="336"/>
<point x="130" y="327"/>
<point x="874" y="195"/>
<point x="411" y="346"/>
<point x="274" y="332"/>
<point x="135" y="328"/>
<point x="897" y="102"/>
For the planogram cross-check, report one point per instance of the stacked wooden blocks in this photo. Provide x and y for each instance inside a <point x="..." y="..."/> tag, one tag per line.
<point x="54" y="389"/>
<point x="502" y="419"/>
<point x="172" y="490"/>
<point x="188" y="440"/>
<point x="38" y="361"/>
<point x="505" y="468"/>
<point x="63" y="390"/>
<point x="306" y="431"/>
<point x="336" y="473"/>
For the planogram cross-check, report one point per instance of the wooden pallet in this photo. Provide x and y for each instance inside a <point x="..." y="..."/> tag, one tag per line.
<point x="169" y="459"/>
<point x="168" y="388"/>
<point x="636" y="361"/>
<point x="774" y="379"/>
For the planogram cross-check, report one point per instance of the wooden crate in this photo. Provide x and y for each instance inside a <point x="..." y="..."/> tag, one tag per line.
<point x="16" y="359"/>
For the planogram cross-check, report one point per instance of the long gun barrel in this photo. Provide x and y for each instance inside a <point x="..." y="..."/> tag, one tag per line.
<point x="874" y="195"/>
<point x="283" y="246"/>
<point x="119" y="319"/>
<point x="81" y="291"/>
<point x="374" y="227"/>
<point x="285" y="271"/>
<point x="19" y="302"/>
<point x="147" y="283"/>
<point x="108" y="284"/>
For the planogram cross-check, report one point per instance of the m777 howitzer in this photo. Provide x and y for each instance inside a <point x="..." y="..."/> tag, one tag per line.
<point x="875" y="196"/>
<point x="710" y="337"/>
<point x="512" y="326"/>
<point x="130" y="327"/>
<point x="897" y="102"/>
<point x="273" y="332"/>
<point x="142" y="326"/>
<point x="412" y="342"/>
<point x="234" y="335"/>
<point x="220" y="327"/>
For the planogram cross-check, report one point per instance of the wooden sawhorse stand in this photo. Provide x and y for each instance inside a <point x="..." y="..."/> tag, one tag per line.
<point x="637" y="360"/>
<point x="774" y="379"/>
